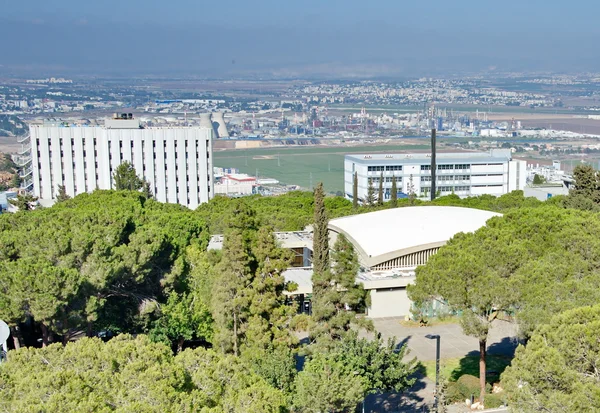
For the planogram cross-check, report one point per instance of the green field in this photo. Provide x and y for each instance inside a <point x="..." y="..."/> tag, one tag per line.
<point x="300" y="165"/>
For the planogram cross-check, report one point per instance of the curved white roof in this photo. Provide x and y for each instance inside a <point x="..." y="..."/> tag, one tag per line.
<point x="408" y="229"/>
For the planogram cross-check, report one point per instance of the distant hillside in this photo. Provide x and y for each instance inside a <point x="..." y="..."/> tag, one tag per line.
<point x="11" y="125"/>
<point x="8" y="173"/>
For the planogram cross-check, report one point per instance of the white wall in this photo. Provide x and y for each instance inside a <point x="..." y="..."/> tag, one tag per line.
<point x="389" y="303"/>
<point x="177" y="162"/>
<point x="517" y="175"/>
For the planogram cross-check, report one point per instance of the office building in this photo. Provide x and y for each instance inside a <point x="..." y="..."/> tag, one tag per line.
<point x="463" y="173"/>
<point x="175" y="161"/>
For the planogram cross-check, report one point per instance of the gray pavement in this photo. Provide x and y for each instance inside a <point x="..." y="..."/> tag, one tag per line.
<point x="453" y="343"/>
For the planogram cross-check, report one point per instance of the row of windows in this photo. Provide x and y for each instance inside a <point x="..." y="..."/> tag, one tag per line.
<point x="384" y="168"/>
<point x="448" y="178"/>
<point x="446" y="189"/>
<point x="388" y="179"/>
<point x="446" y="167"/>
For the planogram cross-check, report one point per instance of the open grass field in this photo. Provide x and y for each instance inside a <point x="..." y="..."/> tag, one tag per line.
<point x="301" y="165"/>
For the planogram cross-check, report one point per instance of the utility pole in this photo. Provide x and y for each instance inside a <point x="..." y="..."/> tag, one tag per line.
<point x="433" y="165"/>
<point x="436" y="337"/>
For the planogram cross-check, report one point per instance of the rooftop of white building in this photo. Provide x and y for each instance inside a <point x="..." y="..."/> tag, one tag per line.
<point x="399" y="231"/>
<point x="497" y="155"/>
<point x="292" y="239"/>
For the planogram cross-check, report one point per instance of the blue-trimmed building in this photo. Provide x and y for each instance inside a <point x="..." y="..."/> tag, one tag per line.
<point x="461" y="173"/>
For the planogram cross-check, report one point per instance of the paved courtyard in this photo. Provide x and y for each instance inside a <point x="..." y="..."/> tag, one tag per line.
<point x="453" y="342"/>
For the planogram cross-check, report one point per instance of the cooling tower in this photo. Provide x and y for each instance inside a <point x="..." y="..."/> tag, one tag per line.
<point x="221" y="126"/>
<point x="205" y="121"/>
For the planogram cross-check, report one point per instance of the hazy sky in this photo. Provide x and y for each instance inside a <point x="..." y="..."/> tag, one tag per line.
<point x="292" y="37"/>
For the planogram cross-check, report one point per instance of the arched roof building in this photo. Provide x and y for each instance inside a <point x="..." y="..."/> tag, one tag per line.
<point x="405" y="237"/>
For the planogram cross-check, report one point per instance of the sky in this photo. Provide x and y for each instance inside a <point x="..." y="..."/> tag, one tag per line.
<point x="292" y="38"/>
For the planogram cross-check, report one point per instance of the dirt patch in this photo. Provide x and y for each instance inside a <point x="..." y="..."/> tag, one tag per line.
<point x="9" y="144"/>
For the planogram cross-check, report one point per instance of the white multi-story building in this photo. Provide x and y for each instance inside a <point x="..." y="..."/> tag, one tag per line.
<point x="464" y="173"/>
<point x="175" y="161"/>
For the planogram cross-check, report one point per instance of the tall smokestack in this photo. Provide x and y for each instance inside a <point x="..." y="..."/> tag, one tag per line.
<point x="433" y="165"/>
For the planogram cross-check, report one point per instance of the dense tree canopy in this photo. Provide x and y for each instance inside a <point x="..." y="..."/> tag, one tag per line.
<point x="119" y="262"/>
<point x="130" y="375"/>
<point x="533" y="262"/>
<point x="558" y="371"/>
<point x="93" y="262"/>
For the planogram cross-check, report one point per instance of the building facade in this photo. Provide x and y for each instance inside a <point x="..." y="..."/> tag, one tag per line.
<point x="464" y="173"/>
<point x="235" y="185"/>
<point x="175" y="161"/>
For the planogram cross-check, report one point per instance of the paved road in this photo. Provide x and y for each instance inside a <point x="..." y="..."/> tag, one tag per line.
<point x="453" y="344"/>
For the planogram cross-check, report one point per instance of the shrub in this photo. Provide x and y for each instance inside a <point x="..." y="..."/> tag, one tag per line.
<point x="453" y="394"/>
<point x="468" y="385"/>
<point x="465" y="387"/>
<point x="494" y="400"/>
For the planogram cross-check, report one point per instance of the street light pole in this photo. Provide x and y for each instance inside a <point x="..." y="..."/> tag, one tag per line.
<point x="437" y="368"/>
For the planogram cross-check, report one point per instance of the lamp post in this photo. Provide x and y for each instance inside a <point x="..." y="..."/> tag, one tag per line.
<point x="437" y="368"/>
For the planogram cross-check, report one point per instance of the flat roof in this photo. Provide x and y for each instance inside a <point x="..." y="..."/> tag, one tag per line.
<point x="390" y="233"/>
<point x="494" y="155"/>
<point x="292" y="239"/>
<point x="302" y="277"/>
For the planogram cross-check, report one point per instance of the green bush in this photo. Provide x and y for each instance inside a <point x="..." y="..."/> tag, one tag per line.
<point x="467" y="386"/>
<point x="494" y="400"/>
<point x="453" y="394"/>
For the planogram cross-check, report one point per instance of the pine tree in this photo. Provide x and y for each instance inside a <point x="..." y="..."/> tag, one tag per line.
<point x="370" y="193"/>
<point x="125" y="178"/>
<point x="62" y="194"/>
<point x="147" y="189"/>
<point x="334" y="309"/>
<point x="380" y="193"/>
<point x="24" y="202"/>
<point x="394" y="200"/>
<point x="269" y="313"/>
<point x="230" y="301"/>
<point x="355" y="191"/>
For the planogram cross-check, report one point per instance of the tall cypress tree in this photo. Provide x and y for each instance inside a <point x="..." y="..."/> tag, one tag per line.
<point x="412" y="195"/>
<point x="380" y="193"/>
<point x="340" y="297"/>
<point x="370" y="193"/>
<point x="355" y="191"/>
<point x="394" y="201"/>
<point x="320" y="234"/>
